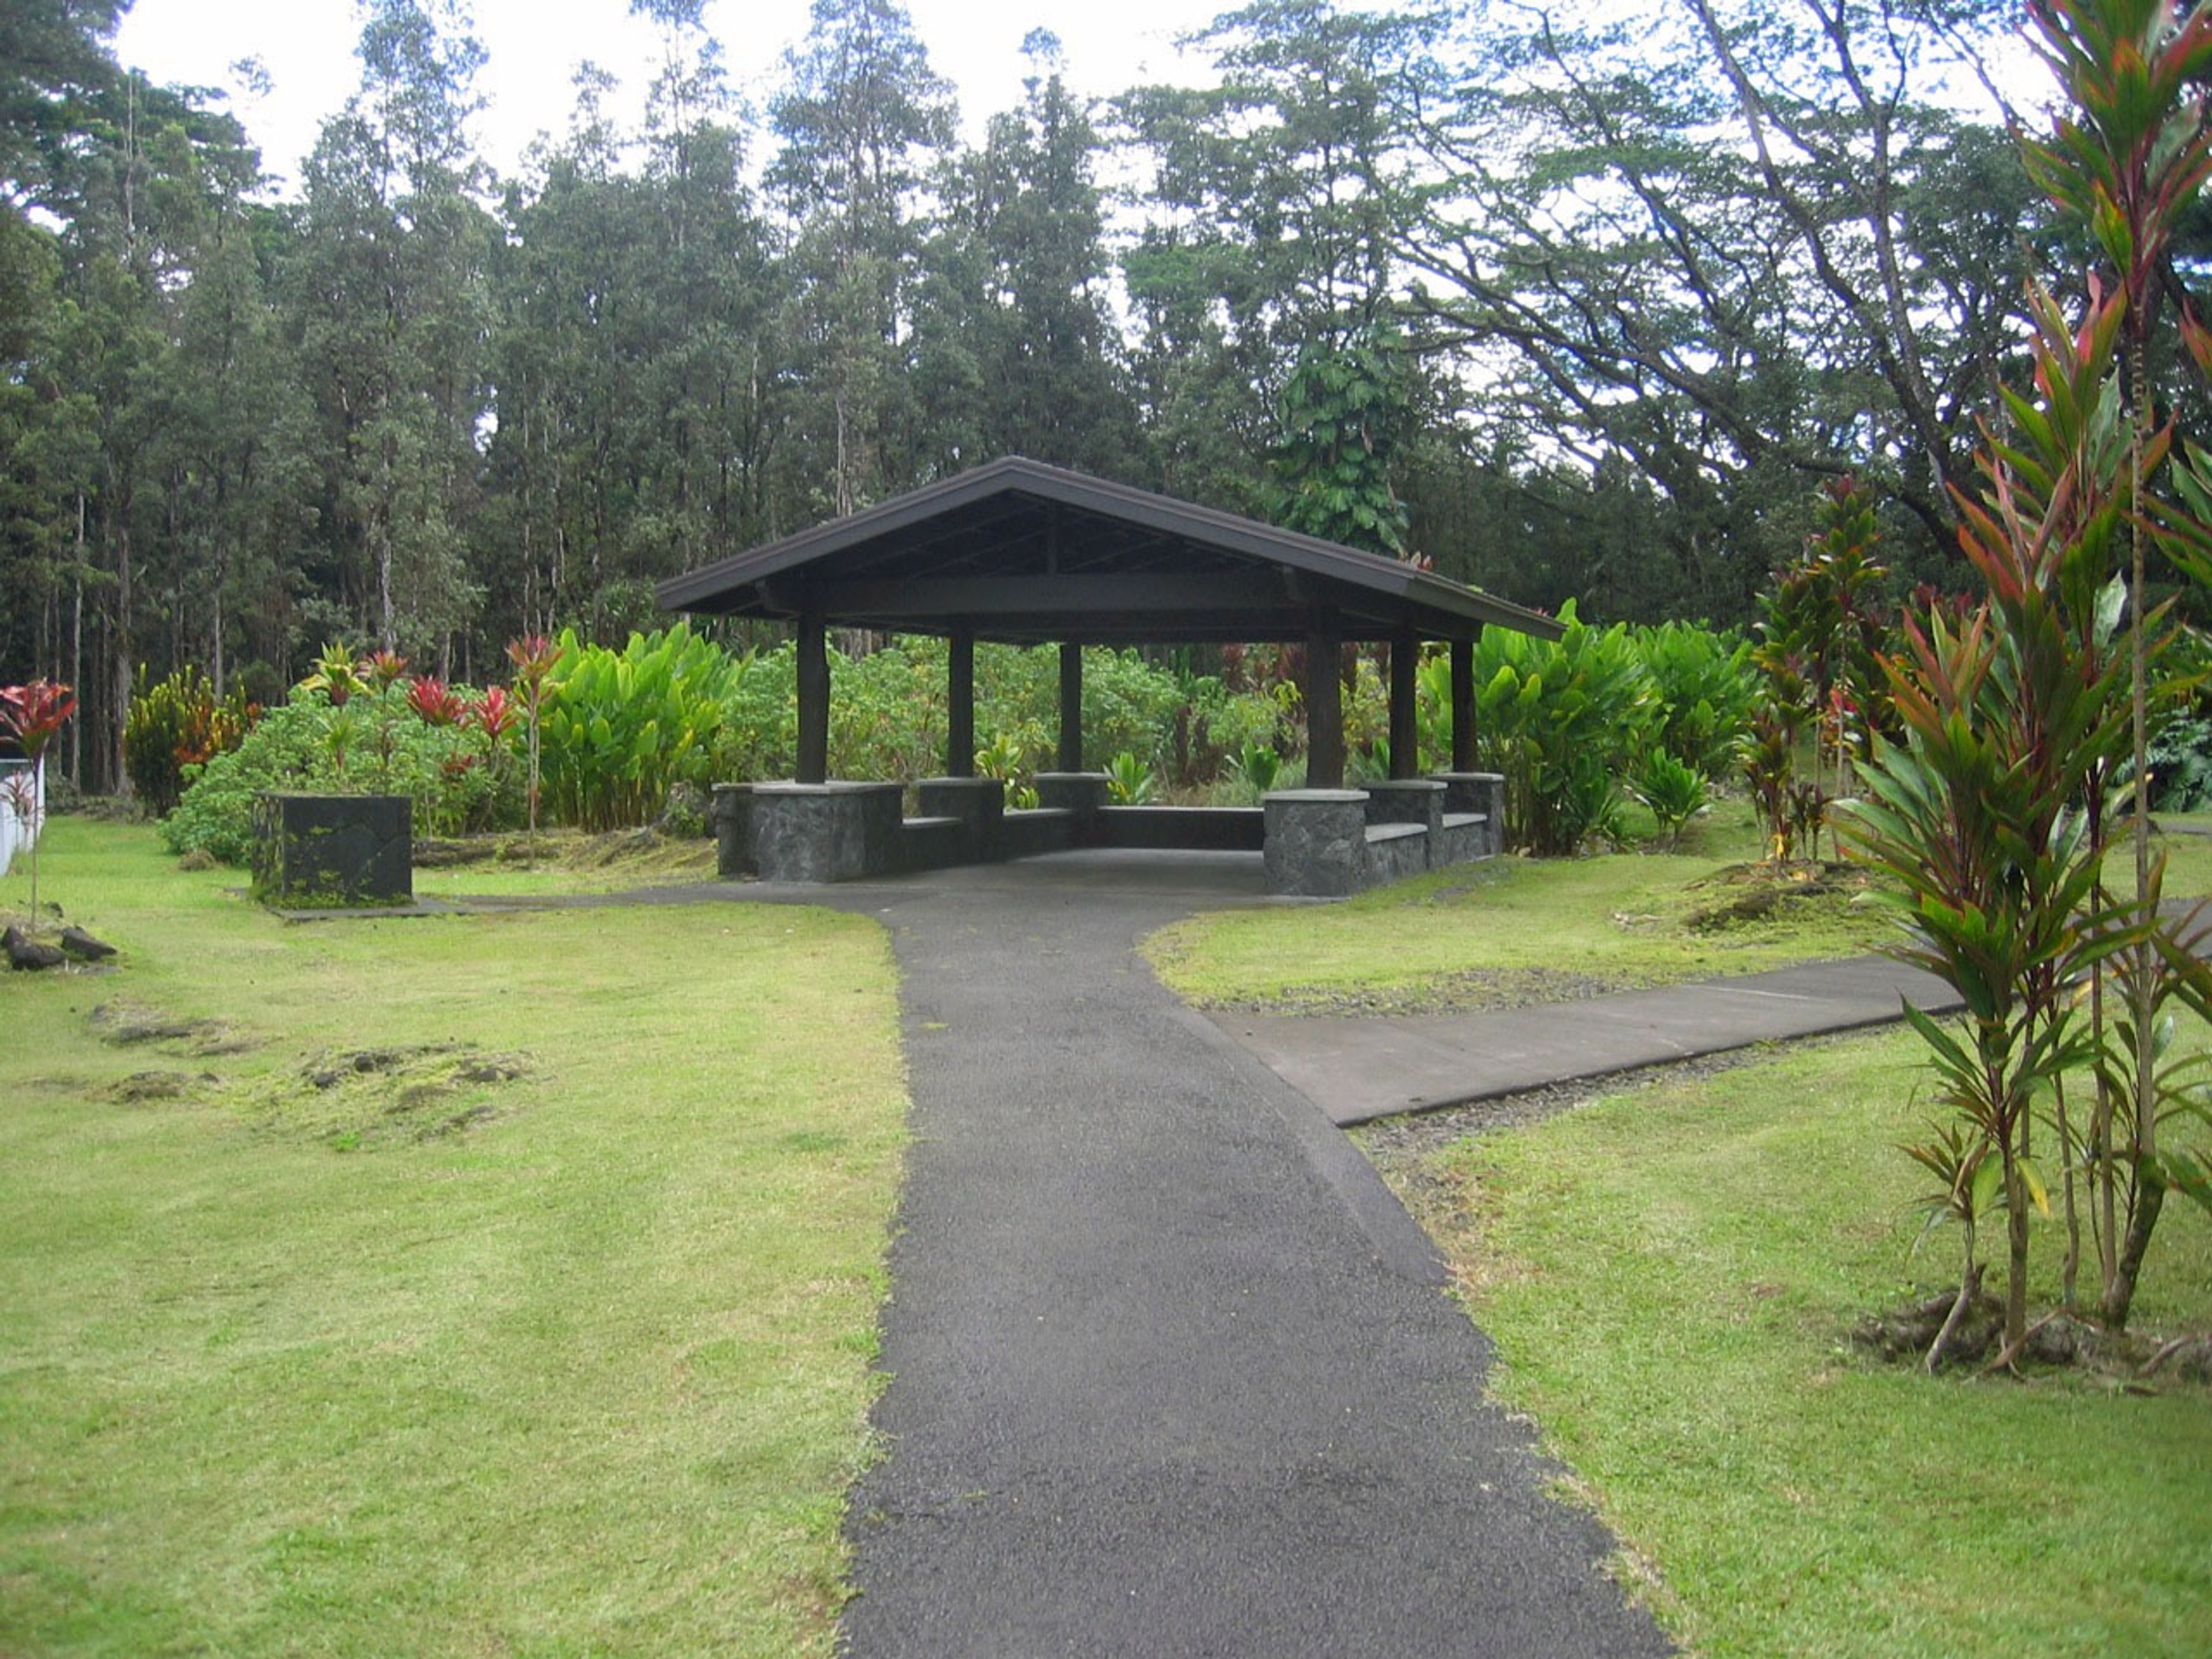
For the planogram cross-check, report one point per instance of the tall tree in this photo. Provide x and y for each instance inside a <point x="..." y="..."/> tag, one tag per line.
<point x="1282" y="180"/>
<point x="387" y="285"/>
<point x="1015" y="344"/>
<point x="1742" y="243"/>
<point x="861" y="119"/>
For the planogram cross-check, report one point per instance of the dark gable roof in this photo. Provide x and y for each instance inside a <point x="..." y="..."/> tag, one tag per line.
<point x="1020" y="551"/>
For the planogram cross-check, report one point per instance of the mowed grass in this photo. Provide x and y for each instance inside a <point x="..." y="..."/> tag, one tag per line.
<point x="1505" y="931"/>
<point x="1621" y="919"/>
<point x="585" y="1374"/>
<point x="1670" y="1274"/>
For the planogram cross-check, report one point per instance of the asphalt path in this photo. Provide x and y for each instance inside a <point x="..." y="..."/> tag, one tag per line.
<point x="1170" y="1370"/>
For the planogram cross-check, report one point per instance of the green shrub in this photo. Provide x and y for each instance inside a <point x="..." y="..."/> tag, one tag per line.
<point x="1005" y="757"/>
<point x="1258" y="766"/>
<point x="174" y="724"/>
<point x="1674" y="791"/>
<point x="1129" y="781"/>
<point x="1705" y="690"/>
<point x="887" y="714"/>
<point x="458" y="778"/>
<point x="620" y="728"/>
<point x="758" y="735"/>
<point x="2180" y="756"/>
<point x="1560" y="720"/>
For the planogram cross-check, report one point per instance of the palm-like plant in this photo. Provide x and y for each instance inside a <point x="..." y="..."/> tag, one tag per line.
<point x="336" y="674"/>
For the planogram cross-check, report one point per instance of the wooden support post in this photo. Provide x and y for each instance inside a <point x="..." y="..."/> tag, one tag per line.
<point x="1070" y="706"/>
<point x="1405" y="723"/>
<point x="960" y="706"/>
<point x="813" y="699"/>
<point x="1324" y="712"/>
<point x="1462" y="696"/>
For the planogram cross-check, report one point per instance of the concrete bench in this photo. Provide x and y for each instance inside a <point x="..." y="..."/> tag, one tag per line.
<point x="1395" y="851"/>
<point x="1040" y="829"/>
<point x="934" y="841"/>
<point x="1380" y="832"/>
<point x="1461" y="836"/>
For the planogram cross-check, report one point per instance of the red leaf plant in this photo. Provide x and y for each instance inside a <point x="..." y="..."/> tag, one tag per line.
<point x="31" y="715"/>
<point x="533" y="656"/>
<point x="436" y="702"/>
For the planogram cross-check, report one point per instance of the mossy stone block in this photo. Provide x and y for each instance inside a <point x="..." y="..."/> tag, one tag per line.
<point x="331" y="851"/>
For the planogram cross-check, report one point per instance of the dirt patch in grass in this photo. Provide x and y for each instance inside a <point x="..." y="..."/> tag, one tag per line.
<point x="367" y="1099"/>
<point x="129" y="1024"/>
<point x="141" y="1088"/>
<point x="351" y="1099"/>
<point x="1768" y="893"/>
<point x="1467" y="991"/>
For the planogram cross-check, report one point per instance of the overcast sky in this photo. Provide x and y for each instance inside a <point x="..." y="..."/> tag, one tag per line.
<point x="306" y="46"/>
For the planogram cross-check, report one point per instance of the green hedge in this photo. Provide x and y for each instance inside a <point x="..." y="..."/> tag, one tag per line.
<point x="375" y="743"/>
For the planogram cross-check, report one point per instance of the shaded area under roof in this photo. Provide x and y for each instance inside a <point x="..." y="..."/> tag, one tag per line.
<point x="1025" y="553"/>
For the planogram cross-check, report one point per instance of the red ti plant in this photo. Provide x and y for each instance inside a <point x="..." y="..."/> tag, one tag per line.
<point x="495" y="715"/>
<point x="2128" y="159"/>
<point x="435" y="702"/>
<point x="33" y="715"/>
<point x="386" y="668"/>
<point x="533" y="656"/>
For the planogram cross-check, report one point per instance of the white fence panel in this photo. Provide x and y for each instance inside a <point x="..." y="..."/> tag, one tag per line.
<point x="19" y="827"/>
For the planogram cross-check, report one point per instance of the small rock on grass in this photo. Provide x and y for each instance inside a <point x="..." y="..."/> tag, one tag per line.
<point x="84" y="947"/>
<point x="28" y="955"/>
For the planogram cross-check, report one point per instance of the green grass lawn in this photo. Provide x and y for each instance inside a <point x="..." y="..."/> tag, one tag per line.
<point x="1671" y="1275"/>
<point x="571" y="861"/>
<point x="1504" y="932"/>
<point x="1514" y="931"/>
<point x="572" y="1361"/>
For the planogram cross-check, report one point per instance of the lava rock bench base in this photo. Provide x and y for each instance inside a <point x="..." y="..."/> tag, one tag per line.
<point x="333" y="852"/>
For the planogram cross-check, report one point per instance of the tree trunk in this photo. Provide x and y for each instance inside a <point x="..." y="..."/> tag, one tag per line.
<point x="2016" y="1240"/>
<point x="2120" y="1294"/>
<point x="2143" y="985"/>
<point x="118" y="668"/>
<point x="2069" y="1272"/>
<point x="77" y="646"/>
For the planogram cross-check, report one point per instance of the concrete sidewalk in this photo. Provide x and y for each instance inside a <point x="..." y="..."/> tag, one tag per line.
<point x="1364" y="1067"/>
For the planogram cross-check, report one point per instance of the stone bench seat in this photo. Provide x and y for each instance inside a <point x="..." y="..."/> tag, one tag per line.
<point x="1221" y="828"/>
<point x="1377" y="832"/>
<point x="934" y="840"/>
<point x="1023" y="834"/>
<point x="1463" y="820"/>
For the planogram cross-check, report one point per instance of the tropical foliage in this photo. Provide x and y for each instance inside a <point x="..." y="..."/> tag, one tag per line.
<point x="1991" y="811"/>
<point x="1681" y="272"/>
<point x="176" y="723"/>
<point x="458" y="778"/>
<point x="1563" y="721"/>
<point x="33" y="716"/>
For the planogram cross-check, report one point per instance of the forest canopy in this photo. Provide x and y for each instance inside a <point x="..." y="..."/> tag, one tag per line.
<point x="1569" y="309"/>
